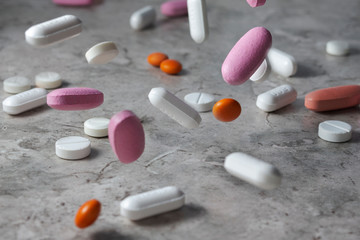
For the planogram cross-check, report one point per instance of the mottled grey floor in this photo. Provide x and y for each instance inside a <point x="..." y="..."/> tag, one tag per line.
<point x="319" y="195"/>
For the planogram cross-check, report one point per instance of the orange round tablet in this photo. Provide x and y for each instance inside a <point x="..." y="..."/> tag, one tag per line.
<point x="171" y="66"/>
<point x="226" y="110"/>
<point x="156" y="58"/>
<point x="87" y="213"/>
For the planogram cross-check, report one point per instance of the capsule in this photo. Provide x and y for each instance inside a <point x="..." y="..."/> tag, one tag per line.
<point x="198" y="23"/>
<point x="282" y="63"/>
<point x="143" y="18"/>
<point x="276" y="98"/>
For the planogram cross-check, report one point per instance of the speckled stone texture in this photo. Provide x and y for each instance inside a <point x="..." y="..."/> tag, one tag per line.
<point x="319" y="196"/>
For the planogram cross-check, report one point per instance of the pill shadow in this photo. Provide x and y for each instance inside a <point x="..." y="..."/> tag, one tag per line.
<point x="110" y="234"/>
<point x="344" y="112"/>
<point x="355" y="138"/>
<point x="304" y="71"/>
<point x="291" y="108"/>
<point x="93" y="155"/>
<point x="33" y="112"/>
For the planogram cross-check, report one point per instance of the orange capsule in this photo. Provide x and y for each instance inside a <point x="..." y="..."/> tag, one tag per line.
<point x="226" y="110"/>
<point x="171" y="66"/>
<point x="156" y="58"/>
<point x="87" y="213"/>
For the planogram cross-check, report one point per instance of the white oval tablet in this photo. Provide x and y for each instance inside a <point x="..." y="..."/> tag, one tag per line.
<point x="335" y="131"/>
<point x="73" y="147"/>
<point x="282" y="63"/>
<point x="53" y="31"/>
<point x="16" y="84"/>
<point x="24" y="101"/>
<point x="261" y="73"/>
<point x="198" y="23"/>
<point x="102" y="53"/>
<point x="96" y="127"/>
<point x="276" y="98"/>
<point x="143" y="18"/>
<point x="174" y="107"/>
<point x="253" y="170"/>
<point x="152" y="203"/>
<point x="337" y="48"/>
<point x="48" y="80"/>
<point x="201" y="102"/>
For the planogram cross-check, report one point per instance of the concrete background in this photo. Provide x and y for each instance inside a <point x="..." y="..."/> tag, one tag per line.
<point x="319" y="195"/>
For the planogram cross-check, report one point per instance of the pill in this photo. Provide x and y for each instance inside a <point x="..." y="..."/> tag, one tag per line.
<point x="174" y="107"/>
<point x="252" y="170"/>
<point x="201" y="102"/>
<point x="96" y="127"/>
<point x="48" y="80"/>
<point x="87" y="213"/>
<point x="53" y="31"/>
<point x="16" y="84"/>
<point x="73" y="2"/>
<point x="174" y="8"/>
<point x="143" y="18"/>
<point x="71" y="99"/>
<point x="335" y="131"/>
<point x="276" y="98"/>
<point x="198" y="23"/>
<point x="337" y="48"/>
<point x="226" y="110"/>
<point x="256" y="3"/>
<point x="156" y="58"/>
<point x="72" y="148"/>
<point x="171" y="66"/>
<point x="101" y="53"/>
<point x="246" y="56"/>
<point x="24" y="101"/>
<point x="152" y="203"/>
<point x="126" y="136"/>
<point x="333" y="98"/>
<point x="261" y="73"/>
<point x="281" y="63"/>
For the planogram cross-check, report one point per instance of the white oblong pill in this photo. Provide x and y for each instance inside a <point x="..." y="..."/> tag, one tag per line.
<point x="48" y="80"/>
<point x="24" y="101"/>
<point x="101" y="53"/>
<point x="73" y="147"/>
<point x="53" y="31"/>
<point x="152" y="203"/>
<point x="276" y="98"/>
<point x="335" y="131"/>
<point x="174" y="107"/>
<point x="282" y="63"/>
<point x="16" y="84"/>
<point x="198" y="23"/>
<point x="261" y="73"/>
<point x="201" y="102"/>
<point x="96" y="127"/>
<point x="253" y="170"/>
<point x="143" y="18"/>
<point x="337" y="48"/>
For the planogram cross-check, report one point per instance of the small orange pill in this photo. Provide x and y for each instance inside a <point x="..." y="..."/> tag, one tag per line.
<point x="87" y="213"/>
<point x="156" y="58"/>
<point x="171" y="66"/>
<point x="226" y="110"/>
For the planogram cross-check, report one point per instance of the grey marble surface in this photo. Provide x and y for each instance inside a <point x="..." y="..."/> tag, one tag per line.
<point x="319" y="195"/>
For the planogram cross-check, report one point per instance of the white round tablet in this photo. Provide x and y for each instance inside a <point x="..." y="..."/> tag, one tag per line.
<point x="102" y="53"/>
<point x="48" y="80"/>
<point x="335" y="131"/>
<point x="261" y="73"/>
<point x="337" y="48"/>
<point x="96" y="127"/>
<point x="16" y="84"/>
<point x="73" y="147"/>
<point x="201" y="102"/>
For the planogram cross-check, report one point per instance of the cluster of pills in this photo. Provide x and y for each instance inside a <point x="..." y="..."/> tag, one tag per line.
<point x="169" y="66"/>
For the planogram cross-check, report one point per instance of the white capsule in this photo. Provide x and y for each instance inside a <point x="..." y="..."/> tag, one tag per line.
<point x="143" y="18"/>
<point x="261" y="73"/>
<point x="152" y="203"/>
<point x="337" y="48"/>
<point x="73" y="147"/>
<point x="96" y="127"/>
<point x="276" y="98"/>
<point x="52" y="31"/>
<point x="101" y="53"/>
<point x="198" y="22"/>
<point x="174" y="107"/>
<point x="335" y="131"/>
<point x="253" y="170"/>
<point x="16" y="84"/>
<point x="48" y="80"/>
<point x="201" y="102"/>
<point x="25" y="101"/>
<point x="281" y="63"/>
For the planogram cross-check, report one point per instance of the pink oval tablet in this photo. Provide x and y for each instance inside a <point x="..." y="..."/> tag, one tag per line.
<point x="256" y="3"/>
<point x="126" y="136"/>
<point x="246" y="56"/>
<point x="70" y="99"/>
<point x="174" y="8"/>
<point x="73" y="2"/>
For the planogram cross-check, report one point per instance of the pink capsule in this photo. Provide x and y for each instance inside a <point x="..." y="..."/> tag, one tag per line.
<point x="246" y="56"/>
<point x="174" y="8"/>
<point x="73" y="2"/>
<point x="256" y="3"/>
